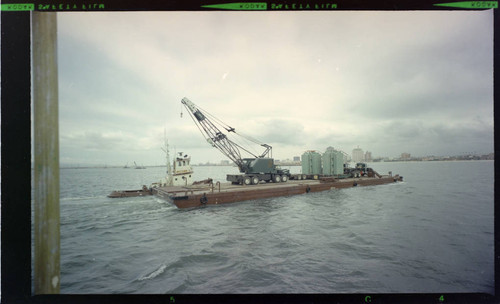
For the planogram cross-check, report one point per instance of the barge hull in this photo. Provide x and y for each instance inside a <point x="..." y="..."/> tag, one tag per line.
<point x="191" y="198"/>
<point x="129" y="193"/>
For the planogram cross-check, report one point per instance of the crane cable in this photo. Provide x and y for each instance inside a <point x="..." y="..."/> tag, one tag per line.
<point x="218" y="144"/>
<point x="229" y="128"/>
<point x="197" y="125"/>
<point x="221" y="123"/>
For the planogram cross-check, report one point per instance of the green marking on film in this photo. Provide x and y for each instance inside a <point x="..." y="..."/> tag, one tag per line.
<point x="18" y="7"/>
<point x="240" y="6"/>
<point x="471" y="4"/>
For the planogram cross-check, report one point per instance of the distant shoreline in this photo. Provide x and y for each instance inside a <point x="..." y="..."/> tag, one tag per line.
<point x="280" y="164"/>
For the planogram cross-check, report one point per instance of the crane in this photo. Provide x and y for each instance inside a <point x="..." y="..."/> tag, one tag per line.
<point x="259" y="167"/>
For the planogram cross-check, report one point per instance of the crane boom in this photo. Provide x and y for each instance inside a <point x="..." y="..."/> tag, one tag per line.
<point x="256" y="169"/>
<point x="215" y="136"/>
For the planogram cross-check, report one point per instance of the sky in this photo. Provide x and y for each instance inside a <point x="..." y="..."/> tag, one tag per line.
<point x="419" y="82"/>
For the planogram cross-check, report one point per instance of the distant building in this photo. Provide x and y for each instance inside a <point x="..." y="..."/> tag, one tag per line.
<point x="224" y="163"/>
<point x="296" y="158"/>
<point x="405" y="156"/>
<point x="490" y="156"/>
<point x="368" y="156"/>
<point x="358" y="155"/>
<point x="347" y="158"/>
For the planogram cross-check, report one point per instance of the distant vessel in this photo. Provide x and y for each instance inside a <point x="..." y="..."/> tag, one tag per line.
<point x="139" y="167"/>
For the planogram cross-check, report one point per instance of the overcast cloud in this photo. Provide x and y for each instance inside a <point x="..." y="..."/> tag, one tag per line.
<point x="390" y="82"/>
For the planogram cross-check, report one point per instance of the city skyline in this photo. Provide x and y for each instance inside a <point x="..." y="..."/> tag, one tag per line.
<point x="296" y="159"/>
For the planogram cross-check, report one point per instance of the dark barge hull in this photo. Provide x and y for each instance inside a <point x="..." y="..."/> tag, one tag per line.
<point x="186" y="197"/>
<point x="129" y="193"/>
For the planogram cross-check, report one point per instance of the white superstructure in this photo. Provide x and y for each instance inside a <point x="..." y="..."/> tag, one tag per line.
<point x="179" y="172"/>
<point x="182" y="172"/>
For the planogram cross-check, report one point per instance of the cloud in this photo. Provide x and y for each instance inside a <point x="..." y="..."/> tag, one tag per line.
<point x="282" y="131"/>
<point x="296" y="80"/>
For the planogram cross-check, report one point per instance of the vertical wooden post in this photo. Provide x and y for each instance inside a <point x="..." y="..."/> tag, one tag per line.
<point x="46" y="135"/>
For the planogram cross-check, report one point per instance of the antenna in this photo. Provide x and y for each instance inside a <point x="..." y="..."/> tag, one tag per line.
<point x="167" y="152"/>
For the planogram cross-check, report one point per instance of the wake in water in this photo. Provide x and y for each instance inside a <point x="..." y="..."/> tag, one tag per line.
<point x="80" y="198"/>
<point x="154" y="274"/>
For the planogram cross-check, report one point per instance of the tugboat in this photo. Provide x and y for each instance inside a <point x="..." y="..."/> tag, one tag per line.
<point x="183" y="172"/>
<point x="181" y="175"/>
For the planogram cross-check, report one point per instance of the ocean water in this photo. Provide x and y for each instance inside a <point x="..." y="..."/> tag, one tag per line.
<point x="432" y="233"/>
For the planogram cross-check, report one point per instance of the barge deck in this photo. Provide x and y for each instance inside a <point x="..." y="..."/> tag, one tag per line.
<point x="223" y="193"/>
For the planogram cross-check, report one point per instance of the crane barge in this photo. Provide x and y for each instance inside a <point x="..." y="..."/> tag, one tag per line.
<point x="259" y="170"/>
<point x="254" y="169"/>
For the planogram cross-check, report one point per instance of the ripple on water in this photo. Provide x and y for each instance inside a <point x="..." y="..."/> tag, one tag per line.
<point x="413" y="236"/>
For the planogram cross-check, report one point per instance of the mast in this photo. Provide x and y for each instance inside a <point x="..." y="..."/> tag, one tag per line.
<point x="169" y="167"/>
<point x="167" y="152"/>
